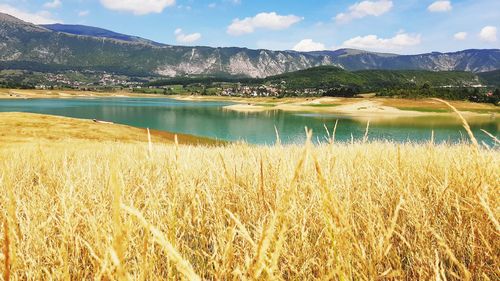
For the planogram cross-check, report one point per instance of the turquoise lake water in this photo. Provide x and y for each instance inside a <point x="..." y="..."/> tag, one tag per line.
<point x="210" y="119"/>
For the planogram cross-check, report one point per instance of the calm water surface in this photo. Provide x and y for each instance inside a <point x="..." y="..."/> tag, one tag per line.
<point x="210" y="119"/>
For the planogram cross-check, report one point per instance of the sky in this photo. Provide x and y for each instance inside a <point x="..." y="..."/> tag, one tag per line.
<point x="397" y="26"/>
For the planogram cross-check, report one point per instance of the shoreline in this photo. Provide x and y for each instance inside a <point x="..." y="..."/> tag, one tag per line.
<point x="361" y="107"/>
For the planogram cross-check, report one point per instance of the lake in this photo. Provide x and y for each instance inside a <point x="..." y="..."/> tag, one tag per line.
<point x="210" y="119"/>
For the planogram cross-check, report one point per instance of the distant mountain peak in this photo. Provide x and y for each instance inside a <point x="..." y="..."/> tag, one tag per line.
<point x="97" y="32"/>
<point x="7" y="20"/>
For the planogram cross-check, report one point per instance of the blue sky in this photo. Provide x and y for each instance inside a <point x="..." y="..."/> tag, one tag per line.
<point x="398" y="26"/>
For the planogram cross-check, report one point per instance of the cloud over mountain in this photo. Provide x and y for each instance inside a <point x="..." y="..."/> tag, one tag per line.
<point x="180" y="37"/>
<point x="440" y="6"/>
<point x="460" y="36"/>
<point x="488" y="34"/>
<point x="308" y="45"/>
<point x="373" y="42"/>
<point x="53" y="4"/>
<point x="272" y="21"/>
<point x="138" y="7"/>
<point x="364" y="9"/>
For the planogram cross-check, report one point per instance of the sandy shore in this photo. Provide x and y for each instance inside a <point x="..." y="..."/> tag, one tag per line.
<point x="375" y="108"/>
<point x="369" y="107"/>
<point x="357" y="109"/>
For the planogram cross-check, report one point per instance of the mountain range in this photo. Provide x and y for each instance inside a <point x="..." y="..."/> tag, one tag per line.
<point x="75" y="47"/>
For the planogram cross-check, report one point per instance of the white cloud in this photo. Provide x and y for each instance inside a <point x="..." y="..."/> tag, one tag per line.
<point x="138" y="7"/>
<point x="184" y="7"/>
<point x="83" y="13"/>
<point x="180" y="37"/>
<point x="460" y="36"/>
<point x="212" y="5"/>
<point x="488" y="34"/>
<point x="41" y="17"/>
<point x="373" y="42"/>
<point x="440" y="6"/>
<point x="271" y="21"/>
<point x="365" y="8"/>
<point x="308" y="45"/>
<point x="53" y="4"/>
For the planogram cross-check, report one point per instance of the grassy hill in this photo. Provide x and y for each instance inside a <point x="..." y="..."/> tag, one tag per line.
<point x="334" y="81"/>
<point x="323" y="76"/>
<point x="491" y="78"/>
<point x="18" y="128"/>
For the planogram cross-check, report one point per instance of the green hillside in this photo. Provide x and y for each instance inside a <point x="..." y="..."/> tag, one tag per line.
<point x="334" y="81"/>
<point x="330" y="76"/>
<point x="394" y="78"/>
<point x="491" y="78"/>
<point x="318" y="77"/>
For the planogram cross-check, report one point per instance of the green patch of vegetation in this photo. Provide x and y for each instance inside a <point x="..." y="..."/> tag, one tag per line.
<point x="150" y="91"/>
<point x="321" y="105"/>
<point x="424" y="109"/>
<point x="439" y="110"/>
<point x="485" y="95"/>
<point x="266" y="104"/>
<point x="477" y="110"/>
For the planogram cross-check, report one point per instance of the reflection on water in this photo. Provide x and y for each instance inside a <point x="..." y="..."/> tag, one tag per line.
<point x="210" y="119"/>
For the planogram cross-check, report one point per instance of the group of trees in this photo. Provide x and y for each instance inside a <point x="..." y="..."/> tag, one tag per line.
<point x="16" y="85"/>
<point x="345" y="92"/>
<point x="486" y="95"/>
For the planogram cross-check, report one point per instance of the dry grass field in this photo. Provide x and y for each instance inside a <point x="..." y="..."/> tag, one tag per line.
<point x="17" y="128"/>
<point x="357" y="211"/>
<point x="51" y="94"/>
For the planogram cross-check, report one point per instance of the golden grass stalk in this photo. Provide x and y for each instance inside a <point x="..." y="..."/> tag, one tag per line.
<point x="466" y="275"/>
<point x="489" y="212"/>
<point x="491" y="136"/>
<point x="331" y="137"/>
<point x="328" y="136"/>
<point x="334" y="131"/>
<point x="365" y="137"/>
<point x="260" y="257"/>
<point x="11" y="230"/>
<point x="150" y="143"/>
<point x="182" y="265"/>
<point x="119" y="248"/>
<point x="262" y="193"/>
<point x="278" y="140"/>
<point x="6" y="250"/>
<point x="242" y="229"/>
<point x="465" y="124"/>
